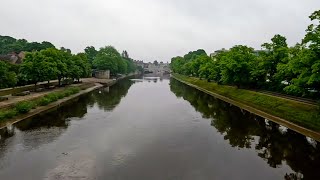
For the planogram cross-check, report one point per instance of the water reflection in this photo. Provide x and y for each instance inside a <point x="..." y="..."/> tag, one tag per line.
<point x="46" y="128"/>
<point x="245" y="130"/>
<point x="109" y="97"/>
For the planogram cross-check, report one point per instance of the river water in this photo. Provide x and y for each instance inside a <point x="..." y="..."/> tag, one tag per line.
<point x="154" y="129"/>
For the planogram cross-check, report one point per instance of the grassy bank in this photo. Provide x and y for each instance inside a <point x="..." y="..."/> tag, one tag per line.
<point x="301" y="114"/>
<point x="24" y="107"/>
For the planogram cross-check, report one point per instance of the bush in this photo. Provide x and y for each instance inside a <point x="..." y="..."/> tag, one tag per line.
<point x="70" y="91"/>
<point x="294" y="90"/>
<point x="24" y="107"/>
<point x="60" y="95"/>
<point x="73" y="90"/>
<point x="7" y="114"/>
<point x="44" y="101"/>
<point x="52" y="97"/>
<point x="49" y="98"/>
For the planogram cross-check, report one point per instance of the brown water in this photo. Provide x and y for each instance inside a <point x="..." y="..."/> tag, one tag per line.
<point x="154" y="130"/>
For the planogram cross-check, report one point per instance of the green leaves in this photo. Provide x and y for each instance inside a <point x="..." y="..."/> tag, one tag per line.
<point x="52" y="64"/>
<point x="7" y="78"/>
<point x="9" y="44"/>
<point x="236" y="66"/>
<point x="294" y="70"/>
<point x="108" y="58"/>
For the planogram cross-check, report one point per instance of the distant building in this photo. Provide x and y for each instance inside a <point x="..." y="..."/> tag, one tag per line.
<point x="13" y="58"/>
<point x="101" y="74"/>
<point x="138" y="63"/>
<point x="160" y="68"/>
<point x="212" y="55"/>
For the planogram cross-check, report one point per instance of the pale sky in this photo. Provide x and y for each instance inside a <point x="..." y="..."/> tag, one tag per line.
<point x="156" y="29"/>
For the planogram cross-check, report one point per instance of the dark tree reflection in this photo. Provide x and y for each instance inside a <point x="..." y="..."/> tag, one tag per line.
<point x="49" y="126"/>
<point x="245" y="130"/>
<point x="108" y="98"/>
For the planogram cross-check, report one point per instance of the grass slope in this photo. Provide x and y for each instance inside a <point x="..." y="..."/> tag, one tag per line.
<point x="304" y="115"/>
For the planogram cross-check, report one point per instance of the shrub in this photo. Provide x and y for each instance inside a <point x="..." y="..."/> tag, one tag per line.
<point x="60" y="95"/>
<point x="44" y="101"/>
<point x="70" y="91"/>
<point x="294" y="90"/>
<point x="24" y="107"/>
<point x="67" y="93"/>
<point x="7" y="114"/>
<point x="52" y="97"/>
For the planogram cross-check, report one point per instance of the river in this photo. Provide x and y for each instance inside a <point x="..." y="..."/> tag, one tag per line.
<point x="154" y="129"/>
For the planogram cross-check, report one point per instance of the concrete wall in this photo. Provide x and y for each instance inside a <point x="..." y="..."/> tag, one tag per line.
<point x="102" y="74"/>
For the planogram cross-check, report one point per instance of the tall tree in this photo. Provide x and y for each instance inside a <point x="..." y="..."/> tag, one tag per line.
<point x="7" y="78"/>
<point x="236" y="66"/>
<point x="91" y="53"/>
<point x="108" y="58"/>
<point x="35" y="67"/>
<point x="275" y="52"/>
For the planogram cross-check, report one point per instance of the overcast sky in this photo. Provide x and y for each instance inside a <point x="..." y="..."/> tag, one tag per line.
<point x="156" y="29"/>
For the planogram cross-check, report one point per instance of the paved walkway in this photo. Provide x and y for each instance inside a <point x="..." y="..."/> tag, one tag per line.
<point x="34" y="95"/>
<point x="15" y="99"/>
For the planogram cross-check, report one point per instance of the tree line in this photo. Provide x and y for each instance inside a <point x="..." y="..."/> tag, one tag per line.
<point x="9" y="44"/>
<point x="108" y="58"/>
<point x="49" y="63"/>
<point x="277" y="67"/>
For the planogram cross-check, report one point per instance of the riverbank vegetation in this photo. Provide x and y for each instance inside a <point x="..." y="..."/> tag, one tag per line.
<point x="302" y="114"/>
<point x="272" y="143"/>
<point x="24" y="107"/>
<point x="108" y="58"/>
<point x="44" y="62"/>
<point x="277" y="67"/>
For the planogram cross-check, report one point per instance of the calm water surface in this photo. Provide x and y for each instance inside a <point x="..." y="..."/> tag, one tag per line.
<point x="154" y="130"/>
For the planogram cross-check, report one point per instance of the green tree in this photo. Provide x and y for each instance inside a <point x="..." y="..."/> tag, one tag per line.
<point x="84" y="65"/>
<point x="131" y="67"/>
<point x="176" y="64"/>
<point x="191" y="55"/>
<point x="7" y="78"/>
<point x="57" y="61"/>
<point x="108" y="58"/>
<point x="35" y="67"/>
<point x="236" y="66"/>
<point x="275" y="53"/>
<point x="207" y="70"/>
<point x="91" y="53"/>
<point x="125" y="54"/>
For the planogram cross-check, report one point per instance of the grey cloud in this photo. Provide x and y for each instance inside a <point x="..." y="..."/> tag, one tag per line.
<point x="156" y="29"/>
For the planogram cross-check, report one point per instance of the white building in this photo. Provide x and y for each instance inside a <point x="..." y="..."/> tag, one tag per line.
<point x="160" y="68"/>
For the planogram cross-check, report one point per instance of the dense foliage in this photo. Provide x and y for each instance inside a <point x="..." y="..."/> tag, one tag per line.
<point x="51" y="63"/>
<point x="108" y="58"/>
<point x="277" y="67"/>
<point x="25" y="106"/>
<point x="9" y="44"/>
<point x="8" y="78"/>
<point x="44" y="62"/>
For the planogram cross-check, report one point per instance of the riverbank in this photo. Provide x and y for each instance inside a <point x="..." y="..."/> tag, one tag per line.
<point x="90" y="84"/>
<point x="295" y="115"/>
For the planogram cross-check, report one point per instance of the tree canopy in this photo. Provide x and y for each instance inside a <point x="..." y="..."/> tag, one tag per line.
<point x="277" y="67"/>
<point x="108" y="58"/>
<point x="9" y="44"/>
